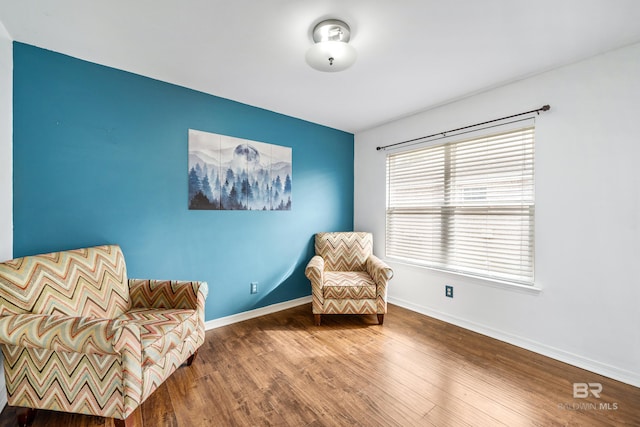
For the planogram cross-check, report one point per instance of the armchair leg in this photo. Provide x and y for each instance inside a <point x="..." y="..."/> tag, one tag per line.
<point x="127" y="422"/>
<point x="380" y="318"/>
<point x="134" y="419"/>
<point x="316" y="319"/>
<point x="26" y="416"/>
<point x="192" y="358"/>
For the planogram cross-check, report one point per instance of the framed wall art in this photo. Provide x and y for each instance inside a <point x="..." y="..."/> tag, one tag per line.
<point x="228" y="173"/>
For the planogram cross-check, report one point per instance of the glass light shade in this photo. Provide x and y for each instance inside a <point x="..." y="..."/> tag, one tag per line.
<point x="331" y="56"/>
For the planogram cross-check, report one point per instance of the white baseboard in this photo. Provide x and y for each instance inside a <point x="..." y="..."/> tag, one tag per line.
<point x="246" y="315"/>
<point x="600" y="368"/>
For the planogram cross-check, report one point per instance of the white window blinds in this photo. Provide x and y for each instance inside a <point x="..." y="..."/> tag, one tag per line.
<point x="465" y="206"/>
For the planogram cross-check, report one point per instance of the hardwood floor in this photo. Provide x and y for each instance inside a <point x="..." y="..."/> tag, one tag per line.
<point x="281" y="370"/>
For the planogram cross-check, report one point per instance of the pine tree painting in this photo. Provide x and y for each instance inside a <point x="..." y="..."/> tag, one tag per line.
<point x="227" y="173"/>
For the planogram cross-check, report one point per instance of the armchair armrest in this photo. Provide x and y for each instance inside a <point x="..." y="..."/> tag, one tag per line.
<point x="315" y="271"/>
<point x="379" y="270"/>
<point x="167" y="294"/>
<point x="66" y="333"/>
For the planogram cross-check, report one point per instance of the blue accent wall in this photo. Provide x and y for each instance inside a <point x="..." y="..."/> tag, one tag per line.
<point x="100" y="156"/>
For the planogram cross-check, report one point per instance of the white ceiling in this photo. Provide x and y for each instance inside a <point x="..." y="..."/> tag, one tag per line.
<point x="412" y="54"/>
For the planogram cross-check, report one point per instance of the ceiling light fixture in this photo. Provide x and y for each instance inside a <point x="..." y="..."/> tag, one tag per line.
<point x="331" y="51"/>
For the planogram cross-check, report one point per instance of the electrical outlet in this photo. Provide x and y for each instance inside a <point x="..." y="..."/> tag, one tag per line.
<point x="448" y="291"/>
<point x="254" y="287"/>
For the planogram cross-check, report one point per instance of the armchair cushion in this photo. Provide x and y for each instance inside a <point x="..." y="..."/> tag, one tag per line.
<point x="348" y="285"/>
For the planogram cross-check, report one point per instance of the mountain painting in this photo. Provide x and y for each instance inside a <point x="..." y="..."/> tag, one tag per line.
<point x="227" y="173"/>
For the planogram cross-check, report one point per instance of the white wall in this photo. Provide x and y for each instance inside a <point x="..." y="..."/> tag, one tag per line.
<point x="6" y="137"/>
<point x="6" y="162"/>
<point x="587" y="217"/>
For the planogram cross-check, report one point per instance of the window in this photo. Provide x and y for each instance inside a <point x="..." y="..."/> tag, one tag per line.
<point x="465" y="206"/>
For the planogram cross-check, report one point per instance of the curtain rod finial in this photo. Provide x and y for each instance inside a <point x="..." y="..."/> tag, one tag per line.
<point x="546" y="107"/>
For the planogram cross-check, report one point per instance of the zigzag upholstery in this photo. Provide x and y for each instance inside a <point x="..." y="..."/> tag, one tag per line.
<point x="78" y="336"/>
<point x="345" y="276"/>
<point x="344" y="251"/>
<point x="81" y="282"/>
<point x="349" y="285"/>
<point x="162" y="330"/>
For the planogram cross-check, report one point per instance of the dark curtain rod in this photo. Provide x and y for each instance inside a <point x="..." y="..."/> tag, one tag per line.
<point x="543" y="108"/>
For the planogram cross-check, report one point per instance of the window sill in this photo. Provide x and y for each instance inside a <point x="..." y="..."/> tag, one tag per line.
<point x="483" y="281"/>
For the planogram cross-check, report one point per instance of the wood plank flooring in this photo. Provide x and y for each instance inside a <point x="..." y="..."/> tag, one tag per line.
<point x="281" y="370"/>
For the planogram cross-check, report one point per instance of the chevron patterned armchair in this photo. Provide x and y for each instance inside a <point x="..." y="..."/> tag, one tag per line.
<point x="78" y="336"/>
<point x="346" y="278"/>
